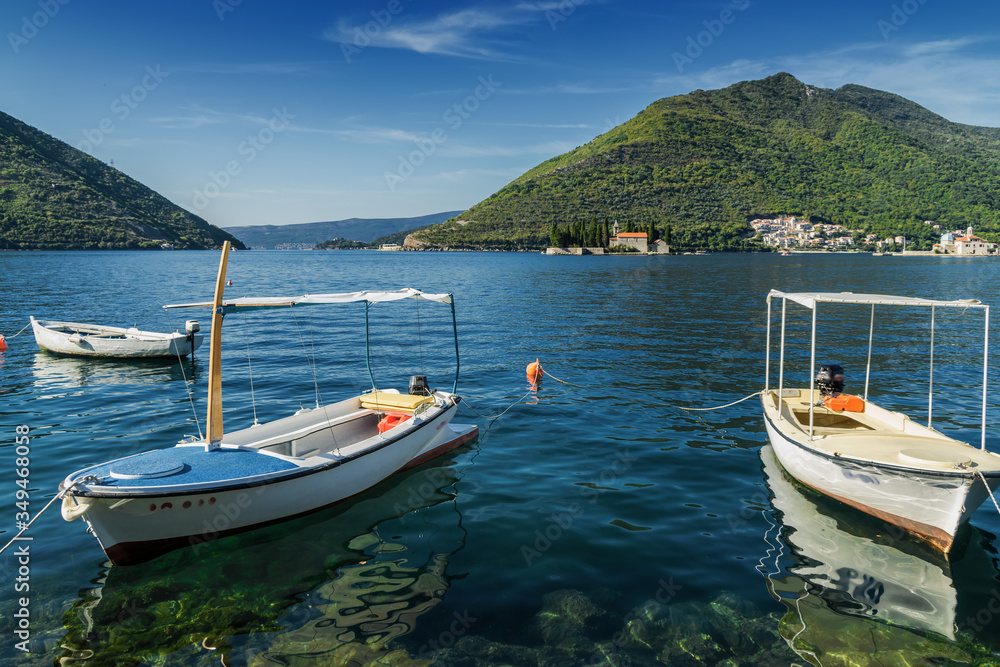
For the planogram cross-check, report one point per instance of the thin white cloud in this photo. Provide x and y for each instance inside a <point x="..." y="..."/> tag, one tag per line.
<point x="945" y="76"/>
<point x="466" y="33"/>
<point x="549" y="148"/>
<point x="275" y="68"/>
<point x="199" y="116"/>
<point x="375" y="135"/>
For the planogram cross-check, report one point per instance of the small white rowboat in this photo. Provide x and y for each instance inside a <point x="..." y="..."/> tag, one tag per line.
<point x="94" y="340"/>
<point x="878" y="461"/>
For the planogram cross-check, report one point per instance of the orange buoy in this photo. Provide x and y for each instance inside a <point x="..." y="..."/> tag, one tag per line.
<point x="3" y="344"/>
<point x="534" y="371"/>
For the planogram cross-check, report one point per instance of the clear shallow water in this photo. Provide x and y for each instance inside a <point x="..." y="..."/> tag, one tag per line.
<point x="590" y="522"/>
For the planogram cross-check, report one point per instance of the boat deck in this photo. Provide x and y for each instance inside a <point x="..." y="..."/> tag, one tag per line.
<point x="184" y="465"/>
<point x="879" y="436"/>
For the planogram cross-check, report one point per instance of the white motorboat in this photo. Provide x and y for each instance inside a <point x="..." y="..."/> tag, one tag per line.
<point x="141" y="506"/>
<point x="95" y="340"/>
<point x="877" y="460"/>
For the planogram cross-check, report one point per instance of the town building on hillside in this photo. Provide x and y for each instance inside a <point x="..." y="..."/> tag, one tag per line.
<point x="952" y="243"/>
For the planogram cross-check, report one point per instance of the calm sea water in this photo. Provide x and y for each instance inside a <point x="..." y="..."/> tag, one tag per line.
<point x="593" y="522"/>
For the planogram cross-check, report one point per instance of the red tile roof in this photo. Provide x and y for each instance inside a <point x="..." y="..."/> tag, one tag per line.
<point x="632" y="235"/>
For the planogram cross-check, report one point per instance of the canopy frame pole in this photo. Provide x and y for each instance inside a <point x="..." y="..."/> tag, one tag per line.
<point x="930" y="381"/>
<point x="812" y="372"/>
<point x="781" y="361"/>
<point x="454" y="328"/>
<point x="767" y="348"/>
<point x="368" y="347"/>
<point x="868" y="368"/>
<point x="986" y="358"/>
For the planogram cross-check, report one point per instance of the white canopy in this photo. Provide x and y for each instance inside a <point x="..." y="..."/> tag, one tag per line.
<point x="810" y="299"/>
<point x="254" y="303"/>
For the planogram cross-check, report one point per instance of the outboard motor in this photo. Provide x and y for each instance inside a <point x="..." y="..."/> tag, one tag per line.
<point x="830" y="379"/>
<point x="192" y="327"/>
<point x="418" y="386"/>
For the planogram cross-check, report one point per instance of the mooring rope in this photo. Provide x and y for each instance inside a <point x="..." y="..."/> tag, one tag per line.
<point x="253" y="399"/>
<point x="21" y="331"/>
<point x="58" y="496"/>
<point x="719" y="407"/>
<point x="187" y="388"/>
<point x="989" y="490"/>
<point x="558" y="380"/>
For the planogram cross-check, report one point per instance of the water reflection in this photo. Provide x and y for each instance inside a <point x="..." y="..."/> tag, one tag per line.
<point x="857" y="588"/>
<point x="321" y="586"/>
<point x="55" y="371"/>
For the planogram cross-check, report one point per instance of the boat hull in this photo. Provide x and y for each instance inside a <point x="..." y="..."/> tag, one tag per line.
<point x="930" y="505"/>
<point x="859" y="573"/>
<point x="134" y="529"/>
<point x="116" y="343"/>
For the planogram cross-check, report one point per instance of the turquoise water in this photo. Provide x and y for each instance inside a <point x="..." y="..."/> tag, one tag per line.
<point x="592" y="523"/>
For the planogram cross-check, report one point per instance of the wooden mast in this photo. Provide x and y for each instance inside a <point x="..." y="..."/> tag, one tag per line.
<point x="214" y="420"/>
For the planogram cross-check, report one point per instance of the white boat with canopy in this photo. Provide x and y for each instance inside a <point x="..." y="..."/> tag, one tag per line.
<point x="876" y="460"/>
<point x="96" y="340"/>
<point x="141" y="506"/>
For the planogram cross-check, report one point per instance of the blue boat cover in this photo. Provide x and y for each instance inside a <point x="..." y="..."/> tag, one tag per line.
<point x="186" y="465"/>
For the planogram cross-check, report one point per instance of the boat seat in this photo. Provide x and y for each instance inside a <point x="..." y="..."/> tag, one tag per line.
<point x="383" y="400"/>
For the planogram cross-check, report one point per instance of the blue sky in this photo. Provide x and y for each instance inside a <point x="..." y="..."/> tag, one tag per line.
<point x="258" y="112"/>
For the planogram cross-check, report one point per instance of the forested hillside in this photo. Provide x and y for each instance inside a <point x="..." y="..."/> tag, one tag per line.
<point x="707" y="162"/>
<point x="53" y="196"/>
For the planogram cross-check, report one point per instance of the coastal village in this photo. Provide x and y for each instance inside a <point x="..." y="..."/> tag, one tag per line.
<point x="792" y="234"/>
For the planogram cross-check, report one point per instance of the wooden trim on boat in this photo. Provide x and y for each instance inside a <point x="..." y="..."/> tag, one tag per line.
<point x="214" y="418"/>
<point x="454" y="443"/>
<point x="936" y="537"/>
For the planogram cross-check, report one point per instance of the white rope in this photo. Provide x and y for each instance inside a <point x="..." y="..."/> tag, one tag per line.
<point x="719" y="407"/>
<point x="28" y="525"/>
<point x="558" y="380"/>
<point x="187" y="388"/>
<point x="253" y="399"/>
<point x="989" y="491"/>
<point x="20" y="332"/>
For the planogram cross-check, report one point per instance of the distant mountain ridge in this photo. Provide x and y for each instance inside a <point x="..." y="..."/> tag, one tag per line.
<point x="708" y="162"/>
<point x="53" y="196"/>
<point x="313" y="233"/>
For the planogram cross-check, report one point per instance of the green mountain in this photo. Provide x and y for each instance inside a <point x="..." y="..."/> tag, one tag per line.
<point x="53" y="196"/>
<point x="313" y="233"/>
<point x="707" y="162"/>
